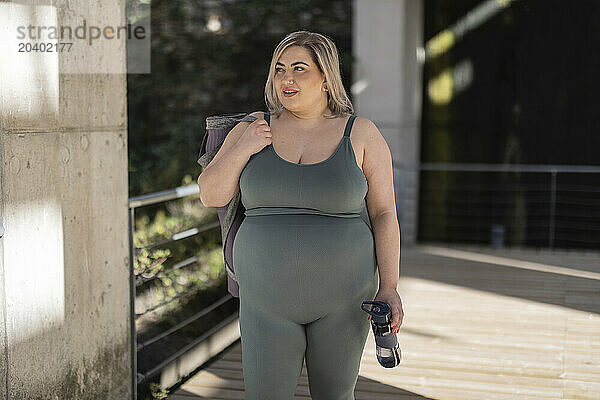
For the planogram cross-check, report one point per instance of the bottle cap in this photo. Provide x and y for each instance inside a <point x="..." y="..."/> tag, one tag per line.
<point x="380" y="311"/>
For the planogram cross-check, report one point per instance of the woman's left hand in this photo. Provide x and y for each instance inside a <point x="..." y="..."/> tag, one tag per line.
<point x="392" y="297"/>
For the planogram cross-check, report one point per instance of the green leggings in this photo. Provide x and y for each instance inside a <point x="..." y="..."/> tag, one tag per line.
<point x="302" y="280"/>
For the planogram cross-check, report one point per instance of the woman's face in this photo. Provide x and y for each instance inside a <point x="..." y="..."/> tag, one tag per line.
<point x="296" y="70"/>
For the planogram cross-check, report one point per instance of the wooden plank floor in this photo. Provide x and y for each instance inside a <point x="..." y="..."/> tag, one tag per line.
<point x="479" y="324"/>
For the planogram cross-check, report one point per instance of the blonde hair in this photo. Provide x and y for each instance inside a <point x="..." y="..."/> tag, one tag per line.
<point x="325" y="55"/>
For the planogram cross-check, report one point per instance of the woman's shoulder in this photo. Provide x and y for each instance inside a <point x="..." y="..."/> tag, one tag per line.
<point x="363" y="129"/>
<point x="368" y="138"/>
<point x="363" y="122"/>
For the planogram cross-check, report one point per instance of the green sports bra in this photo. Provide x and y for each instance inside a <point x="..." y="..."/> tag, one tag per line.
<point x="333" y="187"/>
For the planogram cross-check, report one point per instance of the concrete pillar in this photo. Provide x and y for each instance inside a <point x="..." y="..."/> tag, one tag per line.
<point x="387" y="90"/>
<point x="64" y="264"/>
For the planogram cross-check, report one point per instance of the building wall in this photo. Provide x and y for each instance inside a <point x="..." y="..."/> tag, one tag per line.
<point x="387" y="90"/>
<point x="64" y="298"/>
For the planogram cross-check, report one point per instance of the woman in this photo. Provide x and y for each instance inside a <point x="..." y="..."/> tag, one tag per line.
<point x="304" y="258"/>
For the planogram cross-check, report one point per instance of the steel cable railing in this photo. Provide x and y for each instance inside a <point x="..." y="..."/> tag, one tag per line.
<point x="547" y="204"/>
<point x="138" y="280"/>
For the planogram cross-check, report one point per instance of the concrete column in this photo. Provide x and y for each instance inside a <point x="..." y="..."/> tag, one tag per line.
<point x="64" y="293"/>
<point x="387" y="90"/>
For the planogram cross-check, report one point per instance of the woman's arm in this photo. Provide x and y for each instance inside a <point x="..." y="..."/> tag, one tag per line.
<point x="219" y="181"/>
<point x="381" y="205"/>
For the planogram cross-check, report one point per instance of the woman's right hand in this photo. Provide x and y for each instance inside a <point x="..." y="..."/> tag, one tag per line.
<point x="256" y="136"/>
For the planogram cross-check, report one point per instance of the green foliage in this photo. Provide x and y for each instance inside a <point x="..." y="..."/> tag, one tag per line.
<point x="152" y="238"/>
<point x="157" y="255"/>
<point x="197" y="72"/>
<point x="157" y="391"/>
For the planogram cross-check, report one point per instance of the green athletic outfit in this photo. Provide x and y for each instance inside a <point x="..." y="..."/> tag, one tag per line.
<point x="304" y="260"/>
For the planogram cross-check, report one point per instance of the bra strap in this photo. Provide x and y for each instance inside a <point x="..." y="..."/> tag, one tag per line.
<point x="349" y="125"/>
<point x="268" y="118"/>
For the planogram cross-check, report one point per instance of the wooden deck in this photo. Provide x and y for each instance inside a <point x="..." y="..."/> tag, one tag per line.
<point x="479" y="324"/>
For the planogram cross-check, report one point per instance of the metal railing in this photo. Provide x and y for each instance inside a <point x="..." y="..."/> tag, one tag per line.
<point x="136" y="281"/>
<point x="544" y="205"/>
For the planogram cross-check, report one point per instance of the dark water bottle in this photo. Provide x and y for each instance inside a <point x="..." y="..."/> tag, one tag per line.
<point x="386" y="343"/>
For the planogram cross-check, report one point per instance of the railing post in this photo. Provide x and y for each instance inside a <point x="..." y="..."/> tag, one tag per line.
<point x="132" y="305"/>
<point x="552" y="207"/>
